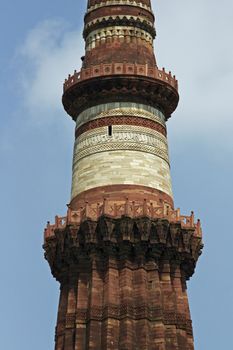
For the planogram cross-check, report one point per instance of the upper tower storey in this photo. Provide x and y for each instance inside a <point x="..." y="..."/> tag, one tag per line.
<point x="120" y="101"/>
<point x="119" y="31"/>
<point x="119" y="37"/>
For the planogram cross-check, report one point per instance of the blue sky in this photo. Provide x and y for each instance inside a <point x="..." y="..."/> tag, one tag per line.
<point x="41" y="44"/>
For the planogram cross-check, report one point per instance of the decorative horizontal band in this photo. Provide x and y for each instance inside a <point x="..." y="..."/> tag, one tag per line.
<point x="118" y="2"/>
<point x="121" y="120"/>
<point x="137" y="312"/>
<point x="117" y="200"/>
<point x="122" y="133"/>
<point x="121" y="146"/>
<point x="131" y="137"/>
<point x="103" y="34"/>
<point x="166" y="240"/>
<point x="112" y="21"/>
<point x="121" y="10"/>
<point x="120" y="69"/>
<point x="121" y="109"/>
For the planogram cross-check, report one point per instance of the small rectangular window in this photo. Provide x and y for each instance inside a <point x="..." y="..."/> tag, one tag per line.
<point x="110" y="130"/>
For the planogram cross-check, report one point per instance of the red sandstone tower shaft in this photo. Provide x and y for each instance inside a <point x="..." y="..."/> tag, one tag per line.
<point x="122" y="254"/>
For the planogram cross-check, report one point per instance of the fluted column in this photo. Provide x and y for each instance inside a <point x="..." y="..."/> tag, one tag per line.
<point x="110" y="326"/>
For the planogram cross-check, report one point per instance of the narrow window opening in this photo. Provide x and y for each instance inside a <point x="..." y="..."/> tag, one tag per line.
<point x="110" y="130"/>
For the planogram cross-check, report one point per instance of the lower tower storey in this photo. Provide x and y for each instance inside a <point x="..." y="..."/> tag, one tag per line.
<point x="123" y="275"/>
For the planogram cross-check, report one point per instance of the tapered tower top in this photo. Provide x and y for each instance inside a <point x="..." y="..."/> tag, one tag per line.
<point x="119" y="37"/>
<point x="119" y="31"/>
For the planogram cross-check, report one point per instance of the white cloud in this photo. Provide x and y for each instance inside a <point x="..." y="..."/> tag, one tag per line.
<point x="193" y="41"/>
<point x="51" y="51"/>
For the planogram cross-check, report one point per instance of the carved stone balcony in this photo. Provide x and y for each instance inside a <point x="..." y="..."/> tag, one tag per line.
<point x="120" y="69"/>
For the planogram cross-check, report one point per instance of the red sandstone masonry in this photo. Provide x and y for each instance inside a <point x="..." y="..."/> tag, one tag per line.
<point x="82" y="305"/>
<point x="124" y="300"/>
<point x="61" y="318"/>
<point x="117" y="210"/>
<point x="155" y="299"/>
<point x="119" y="193"/>
<point x="124" y="10"/>
<point x="117" y="47"/>
<point x="168" y="306"/>
<point x="176" y="279"/>
<point x="110" y="326"/>
<point x="120" y="69"/>
<point x="95" y="294"/>
<point x="127" y="332"/>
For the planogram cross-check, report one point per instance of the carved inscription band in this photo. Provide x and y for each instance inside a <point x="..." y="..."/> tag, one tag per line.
<point x="122" y="311"/>
<point x="121" y="120"/>
<point x="123" y="138"/>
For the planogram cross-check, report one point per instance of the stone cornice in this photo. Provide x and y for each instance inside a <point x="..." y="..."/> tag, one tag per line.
<point x="158" y="92"/>
<point x="125" y="240"/>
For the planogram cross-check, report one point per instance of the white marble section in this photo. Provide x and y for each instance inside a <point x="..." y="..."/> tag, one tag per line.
<point x="124" y="137"/>
<point x="132" y="155"/>
<point x="121" y="167"/>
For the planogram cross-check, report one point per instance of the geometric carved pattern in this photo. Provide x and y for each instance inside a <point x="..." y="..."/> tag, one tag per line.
<point x="123" y="239"/>
<point x="111" y="33"/>
<point x="124" y="146"/>
<point x="100" y="4"/>
<point x="122" y="120"/>
<point x="111" y="13"/>
<point x="119" y="68"/>
<point x="124" y="137"/>
<point x="109" y="110"/>
<point x="135" y="312"/>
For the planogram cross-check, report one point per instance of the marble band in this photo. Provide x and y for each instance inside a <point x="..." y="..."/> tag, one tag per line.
<point x="121" y="167"/>
<point x="123" y="138"/>
<point x="99" y="35"/>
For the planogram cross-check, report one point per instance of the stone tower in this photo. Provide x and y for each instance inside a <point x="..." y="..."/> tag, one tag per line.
<point x="122" y="254"/>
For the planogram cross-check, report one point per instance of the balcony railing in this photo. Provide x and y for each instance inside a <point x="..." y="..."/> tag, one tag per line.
<point x="120" y="69"/>
<point x="127" y="208"/>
